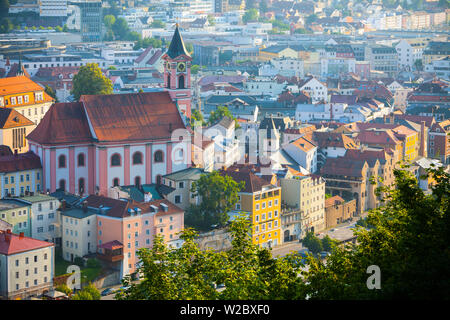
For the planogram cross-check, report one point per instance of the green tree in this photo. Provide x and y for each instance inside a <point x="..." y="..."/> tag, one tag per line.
<point x="120" y="28"/>
<point x="186" y="273"/>
<point x="49" y="90"/>
<point x="195" y="69"/>
<point x="6" y="25"/>
<point x="313" y="243"/>
<point x="58" y="29"/>
<point x="157" y="24"/>
<point x="250" y="15"/>
<point x="211" y="20"/>
<point x="90" y="80"/>
<point x="408" y="242"/>
<point x="64" y="288"/>
<point x="218" y="194"/>
<point x="218" y="114"/>
<point x="418" y="64"/>
<point x="328" y="244"/>
<point x="109" y="21"/>
<point x="93" y="291"/>
<point x="197" y="116"/>
<point x="4" y="8"/>
<point x="65" y="28"/>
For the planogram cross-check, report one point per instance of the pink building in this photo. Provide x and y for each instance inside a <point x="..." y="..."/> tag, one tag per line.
<point x="103" y="141"/>
<point x="123" y="227"/>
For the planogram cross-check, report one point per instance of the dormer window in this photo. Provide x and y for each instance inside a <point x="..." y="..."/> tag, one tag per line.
<point x="13" y="100"/>
<point x="2" y="102"/>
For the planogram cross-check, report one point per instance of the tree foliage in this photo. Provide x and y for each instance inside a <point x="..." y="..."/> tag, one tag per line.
<point x="187" y="273"/>
<point x="157" y="24"/>
<point x="218" y="194"/>
<point x="90" y="80"/>
<point x="250" y="15"/>
<point x="408" y="241"/>
<point x="218" y="114"/>
<point x="90" y="292"/>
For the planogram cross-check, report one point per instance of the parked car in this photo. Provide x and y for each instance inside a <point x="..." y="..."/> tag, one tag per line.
<point x="108" y="291"/>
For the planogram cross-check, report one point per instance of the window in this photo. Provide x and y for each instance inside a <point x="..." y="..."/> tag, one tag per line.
<point x="35" y="258"/>
<point x="81" y="160"/>
<point x="17" y="263"/>
<point x="116" y="182"/>
<point x="137" y="158"/>
<point x="40" y="229"/>
<point x="62" y="184"/>
<point x="181" y="184"/>
<point x="40" y="217"/>
<point x="178" y="199"/>
<point x="62" y="161"/>
<point x="81" y="186"/>
<point x="137" y="181"/>
<point x="115" y="160"/>
<point x="159" y="156"/>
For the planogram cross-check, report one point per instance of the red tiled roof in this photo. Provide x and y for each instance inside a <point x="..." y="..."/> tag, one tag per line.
<point x="10" y="118"/>
<point x="253" y="183"/>
<point x="17" y="244"/>
<point x="342" y="167"/>
<point x="143" y="54"/>
<point x="63" y="123"/>
<point x="333" y="201"/>
<point x="155" y="57"/>
<point x="20" y="162"/>
<point x="134" y="116"/>
<point x="384" y="136"/>
<point x="116" y="117"/>
<point x="111" y="245"/>
<point x="15" y="70"/>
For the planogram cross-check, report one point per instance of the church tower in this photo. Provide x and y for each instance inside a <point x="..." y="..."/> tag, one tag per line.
<point x="177" y="73"/>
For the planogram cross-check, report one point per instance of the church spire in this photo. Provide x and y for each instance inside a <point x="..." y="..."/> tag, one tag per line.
<point x="177" y="47"/>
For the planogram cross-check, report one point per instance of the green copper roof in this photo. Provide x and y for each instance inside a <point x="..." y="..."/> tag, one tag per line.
<point x="177" y="47"/>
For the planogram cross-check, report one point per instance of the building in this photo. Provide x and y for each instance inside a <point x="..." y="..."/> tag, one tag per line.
<point x="91" y="20"/>
<point x="135" y="144"/>
<point x="440" y="67"/>
<point x="18" y="214"/>
<point x="177" y="73"/>
<point x="14" y="127"/>
<point x="26" y="266"/>
<point x="439" y="141"/>
<point x="304" y="153"/>
<point x="382" y="58"/>
<point x="44" y="217"/>
<point x="303" y="199"/>
<point x="202" y="152"/>
<point x="435" y="50"/>
<point x="78" y="231"/>
<point x="337" y="210"/>
<point x="20" y="173"/>
<point x="25" y="96"/>
<point x="58" y="78"/>
<point x="181" y="181"/>
<point x="409" y="51"/>
<point x="53" y="8"/>
<point x="317" y="90"/>
<point x="261" y="200"/>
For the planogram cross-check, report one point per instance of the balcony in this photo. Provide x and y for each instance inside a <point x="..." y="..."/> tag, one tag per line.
<point x="111" y="251"/>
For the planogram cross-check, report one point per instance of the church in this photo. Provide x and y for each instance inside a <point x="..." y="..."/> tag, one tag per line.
<point x="102" y="141"/>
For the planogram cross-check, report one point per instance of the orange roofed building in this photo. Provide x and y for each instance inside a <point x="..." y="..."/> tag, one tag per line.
<point x="25" y="96"/>
<point x="14" y="127"/>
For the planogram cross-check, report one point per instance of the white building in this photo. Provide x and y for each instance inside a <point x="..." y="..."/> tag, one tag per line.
<point x="53" y="8"/>
<point x="408" y="52"/>
<point x="79" y="232"/>
<point x="26" y="266"/>
<point x="45" y="222"/>
<point x="317" y="90"/>
<point x="304" y="153"/>
<point x="440" y="67"/>
<point x="264" y="86"/>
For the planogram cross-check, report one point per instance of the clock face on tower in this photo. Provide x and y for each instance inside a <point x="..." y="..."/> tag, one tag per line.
<point x="181" y="67"/>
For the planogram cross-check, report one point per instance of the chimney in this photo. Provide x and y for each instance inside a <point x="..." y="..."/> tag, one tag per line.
<point x="85" y="206"/>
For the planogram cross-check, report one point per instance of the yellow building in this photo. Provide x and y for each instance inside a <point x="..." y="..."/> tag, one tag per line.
<point x="19" y="173"/>
<point x="14" y="127"/>
<point x="276" y="52"/>
<point x="410" y="141"/>
<point x="25" y="96"/>
<point x="262" y="201"/>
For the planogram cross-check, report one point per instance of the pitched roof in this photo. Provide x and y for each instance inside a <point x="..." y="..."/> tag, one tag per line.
<point x="143" y="54"/>
<point x="63" y="123"/>
<point x="18" y="69"/>
<point x="177" y="47"/>
<point x="333" y="201"/>
<point x="19" y="84"/>
<point x="10" y="118"/>
<point x="20" y="162"/>
<point x="116" y="117"/>
<point x="18" y="244"/>
<point x="341" y="166"/>
<point x="331" y="139"/>
<point x="253" y="183"/>
<point x="303" y="144"/>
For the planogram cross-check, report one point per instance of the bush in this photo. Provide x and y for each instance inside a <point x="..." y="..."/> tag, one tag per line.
<point x="79" y="261"/>
<point x="93" y="263"/>
<point x="64" y="288"/>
